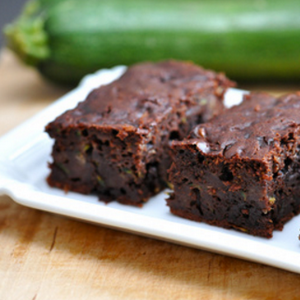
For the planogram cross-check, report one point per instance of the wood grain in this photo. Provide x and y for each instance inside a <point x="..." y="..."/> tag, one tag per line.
<point x="46" y="256"/>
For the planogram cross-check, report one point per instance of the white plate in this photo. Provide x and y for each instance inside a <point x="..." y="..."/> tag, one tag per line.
<point x="24" y="153"/>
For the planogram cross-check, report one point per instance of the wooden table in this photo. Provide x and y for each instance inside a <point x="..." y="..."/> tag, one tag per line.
<point x="46" y="256"/>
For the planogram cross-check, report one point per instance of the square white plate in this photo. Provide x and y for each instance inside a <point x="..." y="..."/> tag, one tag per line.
<point x="25" y="151"/>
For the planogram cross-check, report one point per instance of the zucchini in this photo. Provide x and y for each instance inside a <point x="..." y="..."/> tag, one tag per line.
<point x="249" y="40"/>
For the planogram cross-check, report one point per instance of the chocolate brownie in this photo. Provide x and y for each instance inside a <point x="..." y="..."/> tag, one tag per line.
<point x="116" y="142"/>
<point x="242" y="169"/>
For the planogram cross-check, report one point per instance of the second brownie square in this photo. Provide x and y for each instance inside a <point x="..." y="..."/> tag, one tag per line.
<point x="242" y="169"/>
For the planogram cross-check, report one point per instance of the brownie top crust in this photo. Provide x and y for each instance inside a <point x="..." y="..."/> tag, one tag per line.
<point x="260" y="128"/>
<point x="144" y="95"/>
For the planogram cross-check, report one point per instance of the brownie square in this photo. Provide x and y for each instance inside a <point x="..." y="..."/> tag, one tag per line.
<point x="116" y="142"/>
<point x="242" y="169"/>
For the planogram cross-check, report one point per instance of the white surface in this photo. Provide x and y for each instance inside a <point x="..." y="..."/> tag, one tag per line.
<point x="24" y="153"/>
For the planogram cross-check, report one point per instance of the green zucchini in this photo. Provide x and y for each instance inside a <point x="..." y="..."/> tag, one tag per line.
<point x="249" y="40"/>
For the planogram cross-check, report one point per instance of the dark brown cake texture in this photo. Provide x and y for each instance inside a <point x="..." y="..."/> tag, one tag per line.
<point x="242" y="169"/>
<point x="116" y="142"/>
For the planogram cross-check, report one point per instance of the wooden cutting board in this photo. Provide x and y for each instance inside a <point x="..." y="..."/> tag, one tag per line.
<point x="45" y="256"/>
